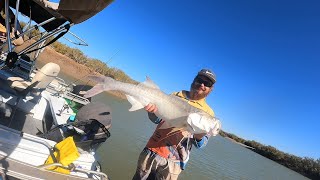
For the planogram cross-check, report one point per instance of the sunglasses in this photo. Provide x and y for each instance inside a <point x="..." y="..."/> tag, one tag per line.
<point x="207" y="83"/>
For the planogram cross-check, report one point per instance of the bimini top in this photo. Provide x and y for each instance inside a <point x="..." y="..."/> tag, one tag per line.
<point x="74" y="11"/>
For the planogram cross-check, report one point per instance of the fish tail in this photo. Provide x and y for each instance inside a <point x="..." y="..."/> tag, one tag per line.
<point x="94" y="91"/>
<point x="104" y="84"/>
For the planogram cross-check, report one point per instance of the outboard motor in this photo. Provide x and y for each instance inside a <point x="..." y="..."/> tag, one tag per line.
<point x="94" y="119"/>
<point x="89" y="129"/>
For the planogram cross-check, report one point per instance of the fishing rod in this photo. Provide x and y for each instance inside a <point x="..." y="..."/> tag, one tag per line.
<point x="94" y="73"/>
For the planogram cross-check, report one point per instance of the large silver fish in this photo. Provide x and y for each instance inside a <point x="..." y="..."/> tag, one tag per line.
<point x="175" y="111"/>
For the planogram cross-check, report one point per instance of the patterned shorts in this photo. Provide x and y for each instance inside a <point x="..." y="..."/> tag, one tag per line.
<point x="152" y="166"/>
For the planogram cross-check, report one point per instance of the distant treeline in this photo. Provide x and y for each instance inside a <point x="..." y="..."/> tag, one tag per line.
<point x="305" y="166"/>
<point x="308" y="167"/>
<point x="78" y="56"/>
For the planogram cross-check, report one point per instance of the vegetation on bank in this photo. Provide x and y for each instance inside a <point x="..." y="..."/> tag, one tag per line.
<point x="308" y="167"/>
<point x="94" y="64"/>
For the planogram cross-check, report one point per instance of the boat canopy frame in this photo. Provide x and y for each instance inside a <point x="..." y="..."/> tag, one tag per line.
<point x="55" y="18"/>
<point x="74" y="11"/>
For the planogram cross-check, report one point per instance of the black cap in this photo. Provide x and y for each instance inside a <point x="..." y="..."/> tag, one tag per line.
<point x="208" y="73"/>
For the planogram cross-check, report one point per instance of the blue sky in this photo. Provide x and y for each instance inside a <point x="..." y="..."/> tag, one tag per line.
<point x="265" y="55"/>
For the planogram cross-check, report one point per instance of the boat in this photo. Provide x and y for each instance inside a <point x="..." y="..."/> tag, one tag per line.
<point x="47" y="130"/>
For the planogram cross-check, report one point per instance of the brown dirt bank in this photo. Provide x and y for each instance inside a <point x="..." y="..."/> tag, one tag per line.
<point x="67" y="65"/>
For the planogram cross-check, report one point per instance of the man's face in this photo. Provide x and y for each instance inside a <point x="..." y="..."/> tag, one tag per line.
<point x="200" y="87"/>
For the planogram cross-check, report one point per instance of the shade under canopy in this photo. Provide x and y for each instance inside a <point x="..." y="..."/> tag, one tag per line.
<point x="74" y="11"/>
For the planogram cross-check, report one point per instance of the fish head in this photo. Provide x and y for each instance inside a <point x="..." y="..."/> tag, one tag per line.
<point x="201" y="122"/>
<point x="198" y="123"/>
<point x="216" y="128"/>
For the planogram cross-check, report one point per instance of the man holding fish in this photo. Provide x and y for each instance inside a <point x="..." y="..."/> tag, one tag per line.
<point x="167" y="151"/>
<point x="184" y="119"/>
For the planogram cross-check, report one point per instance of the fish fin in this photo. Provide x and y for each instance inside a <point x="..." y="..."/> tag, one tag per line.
<point x="136" y="105"/>
<point x="149" y="83"/>
<point x="170" y="124"/>
<point x="94" y="91"/>
<point x="165" y="125"/>
<point x="179" y="122"/>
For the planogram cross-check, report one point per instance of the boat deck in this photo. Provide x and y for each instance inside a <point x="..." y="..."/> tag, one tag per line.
<point x="24" y="122"/>
<point x="17" y="170"/>
<point x="20" y="120"/>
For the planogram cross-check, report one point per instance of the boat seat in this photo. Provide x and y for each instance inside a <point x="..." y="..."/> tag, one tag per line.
<point x="40" y="81"/>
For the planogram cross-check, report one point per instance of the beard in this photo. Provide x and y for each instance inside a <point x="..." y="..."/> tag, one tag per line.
<point x="196" y="92"/>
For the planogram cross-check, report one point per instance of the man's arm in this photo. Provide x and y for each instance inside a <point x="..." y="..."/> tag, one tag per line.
<point x="200" y="140"/>
<point x="154" y="118"/>
<point x="151" y="109"/>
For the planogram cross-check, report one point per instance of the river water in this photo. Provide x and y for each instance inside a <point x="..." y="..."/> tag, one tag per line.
<point x="220" y="159"/>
